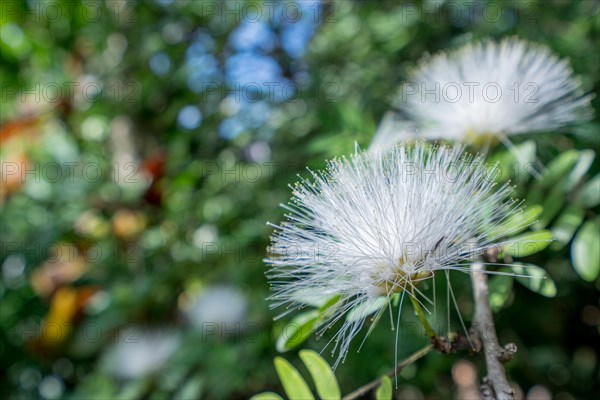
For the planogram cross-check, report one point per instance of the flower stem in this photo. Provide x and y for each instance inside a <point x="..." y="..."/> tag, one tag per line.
<point x="428" y="329"/>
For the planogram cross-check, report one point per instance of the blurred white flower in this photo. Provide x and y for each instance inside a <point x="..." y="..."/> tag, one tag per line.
<point x="491" y="90"/>
<point x="140" y="352"/>
<point x="377" y="223"/>
<point x="219" y="307"/>
<point x="392" y="129"/>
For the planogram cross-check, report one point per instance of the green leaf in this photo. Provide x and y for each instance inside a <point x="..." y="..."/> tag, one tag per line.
<point x="266" y="396"/>
<point x="585" y="251"/>
<point x="517" y="222"/>
<point x="586" y="158"/>
<point x="192" y="390"/>
<point x="589" y="196"/>
<point x="322" y="375"/>
<point x="559" y="167"/>
<point x="312" y="297"/>
<point x="499" y="287"/>
<point x="511" y="166"/>
<point x="384" y="391"/>
<point x="298" y="330"/>
<point x="565" y="226"/>
<point x="554" y="202"/>
<point x="535" y="279"/>
<point x="329" y="305"/>
<point x="134" y="390"/>
<point x="294" y="385"/>
<point x="535" y="195"/>
<point x="528" y="243"/>
<point x="367" y="308"/>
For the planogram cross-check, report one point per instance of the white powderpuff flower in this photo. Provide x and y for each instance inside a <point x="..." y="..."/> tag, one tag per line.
<point x="140" y="352"/>
<point x="376" y="223"/>
<point x="492" y="90"/>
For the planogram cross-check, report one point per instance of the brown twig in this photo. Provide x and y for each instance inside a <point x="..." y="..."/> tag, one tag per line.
<point x="495" y="386"/>
<point x="399" y="367"/>
<point x="458" y="342"/>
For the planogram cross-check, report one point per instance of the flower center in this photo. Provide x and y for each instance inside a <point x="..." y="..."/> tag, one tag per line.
<point x="405" y="275"/>
<point x="480" y="139"/>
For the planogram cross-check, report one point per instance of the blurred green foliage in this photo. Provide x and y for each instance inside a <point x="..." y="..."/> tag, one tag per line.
<point x="140" y="164"/>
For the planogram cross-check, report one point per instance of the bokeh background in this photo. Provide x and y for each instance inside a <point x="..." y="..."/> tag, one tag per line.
<point x="145" y="144"/>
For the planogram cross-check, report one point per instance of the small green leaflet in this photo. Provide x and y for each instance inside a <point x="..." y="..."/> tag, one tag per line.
<point x="312" y="297"/>
<point x="559" y="167"/>
<point x="367" y="308"/>
<point x="293" y="384"/>
<point x="565" y="226"/>
<point x="384" y="391"/>
<point x="303" y="325"/>
<point x="589" y="195"/>
<point x="535" y="279"/>
<point x="266" y="396"/>
<point x="517" y="223"/>
<point x="528" y="243"/>
<point x="585" y="250"/>
<point x="298" y="330"/>
<point x="330" y="304"/>
<point x="554" y="202"/>
<point x="509" y="166"/>
<point x="322" y="375"/>
<point x="586" y="157"/>
<point x="191" y="390"/>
